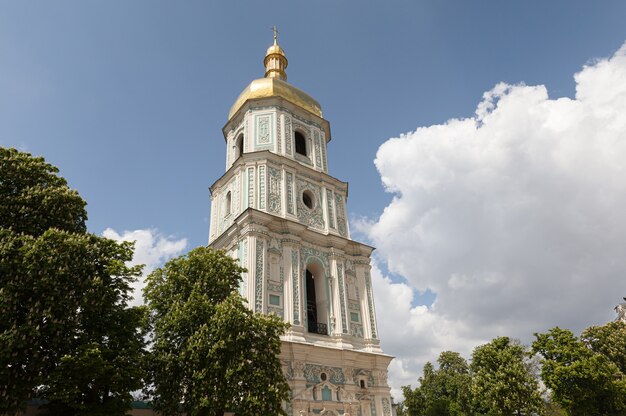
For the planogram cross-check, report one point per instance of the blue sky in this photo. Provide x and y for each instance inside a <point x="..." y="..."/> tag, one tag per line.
<point x="503" y="197"/>
<point x="128" y="98"/>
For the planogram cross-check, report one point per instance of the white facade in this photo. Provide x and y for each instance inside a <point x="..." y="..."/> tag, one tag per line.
<point x="278" y="211"/>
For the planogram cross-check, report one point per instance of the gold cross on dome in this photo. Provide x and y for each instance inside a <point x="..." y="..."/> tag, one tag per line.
<point x="275" y="32"/>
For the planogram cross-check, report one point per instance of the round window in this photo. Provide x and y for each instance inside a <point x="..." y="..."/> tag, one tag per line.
<point x="323" y="376"/>
<point x="308" y="199"/>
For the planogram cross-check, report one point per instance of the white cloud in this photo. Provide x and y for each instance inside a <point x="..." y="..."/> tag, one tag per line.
<point x="151" y="249"/>
<point x="514" y="218"/>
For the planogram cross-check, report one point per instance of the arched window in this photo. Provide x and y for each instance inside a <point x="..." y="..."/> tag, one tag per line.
<point x="300" y="143"/>
<point x="316" y="300"/>
<point x="239" y="143"/>
<point x="228" y="204"/>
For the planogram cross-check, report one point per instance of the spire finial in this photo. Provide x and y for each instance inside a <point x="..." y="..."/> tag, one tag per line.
<point x="275" y="34"/>
<point x="275" y="60"/>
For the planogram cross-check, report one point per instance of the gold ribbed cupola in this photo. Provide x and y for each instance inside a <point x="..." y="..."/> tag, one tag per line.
<point x="275" y="84"/>
<point x="275" y="60"/>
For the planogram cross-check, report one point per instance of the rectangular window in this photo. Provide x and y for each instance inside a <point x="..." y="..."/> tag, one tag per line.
<point x="275" y="300"/>
<point x="354" y="316"/>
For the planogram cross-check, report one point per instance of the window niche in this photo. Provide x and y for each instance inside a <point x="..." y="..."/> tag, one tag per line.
<point x="300" y="141"/>
<point x="274" y="258"/>
<point x="352" y="287"/>
<point x="274" y="300"/>
<point x="308" y="199"/>
<point x="316" y="300"/>
<point x="354" y="317"/>
<point x="239" y="146"/>
<point x="228" y="204"/>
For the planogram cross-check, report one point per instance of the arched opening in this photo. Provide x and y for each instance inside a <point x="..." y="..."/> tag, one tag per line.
<point x="300" y="143"/>
<point x="239" y="145"/>
<point x="228" y="203"/>
<point x="316" y="300"/>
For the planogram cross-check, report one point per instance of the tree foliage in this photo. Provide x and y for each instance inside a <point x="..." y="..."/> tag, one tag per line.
<point x="66" y="333"/>
<point x="583" y="381"/>
<point x="443" y="391"/>
<point x="211" y="353"/>
<point x="500" y="381"/>
<point x="608" y="340"/>
<point x="35" y="199"/>
<point x="503" y="379"/>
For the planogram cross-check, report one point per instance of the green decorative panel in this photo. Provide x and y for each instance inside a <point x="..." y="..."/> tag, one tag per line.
<point x="243" y="259"/>
<point x="262" y="187"/>
<point x="331" y="215"/>
<point x="318" y="150"/>
<point x="342" y="297"/>
<point x="264" y="131"/>
<point x="307" y="216"/>
<point x="386" y="407"/>
<point x="335" y="374"/>
<point x="295" y="282"/>
<point x="288" y="137"/>
<point x="289" y="176"/>
<point x="341" y="217"/>
<point x="251" y="187"/>
<point x="278" y="136"/>
<point x="309" y="253"/>
<point x="275" y="185"/>
<point x="373" y="408"/>
<point x="258" y="286"/>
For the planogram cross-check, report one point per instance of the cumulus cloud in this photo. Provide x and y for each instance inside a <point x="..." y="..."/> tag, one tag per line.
<point x="514" y="218"/>
<point x="151" y="249"/>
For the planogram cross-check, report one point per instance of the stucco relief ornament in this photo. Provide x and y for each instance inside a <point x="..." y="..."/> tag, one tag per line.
<point x="348" y="371"/>
<point x="275" y="246"/>
<point x="380" y="377"/>
<point x="298" y="369"/>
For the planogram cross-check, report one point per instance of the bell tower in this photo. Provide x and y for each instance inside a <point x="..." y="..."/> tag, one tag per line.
<point x="279" y="212"/>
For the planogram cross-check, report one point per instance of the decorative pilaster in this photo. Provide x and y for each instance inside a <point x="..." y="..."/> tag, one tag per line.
<point x="258" y="281"/>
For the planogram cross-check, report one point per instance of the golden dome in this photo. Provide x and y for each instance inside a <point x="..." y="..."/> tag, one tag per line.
<point x="275" y="84"/>
<point x="274" y="87"/>
<point x="275" y="49"/>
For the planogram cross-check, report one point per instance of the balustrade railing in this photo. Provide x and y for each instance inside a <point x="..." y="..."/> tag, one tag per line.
<point x="318" y="328"/>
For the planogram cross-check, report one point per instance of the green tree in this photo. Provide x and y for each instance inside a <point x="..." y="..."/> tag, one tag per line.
<point x="414" y="403"/>
<point x="445" y="391"/>
<point x="210" y="352"/>
<point x="66" y="333"/>
<point x="608" y="340"/>
<point x="581" y="381"/>
<point x="503" y="379"/>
